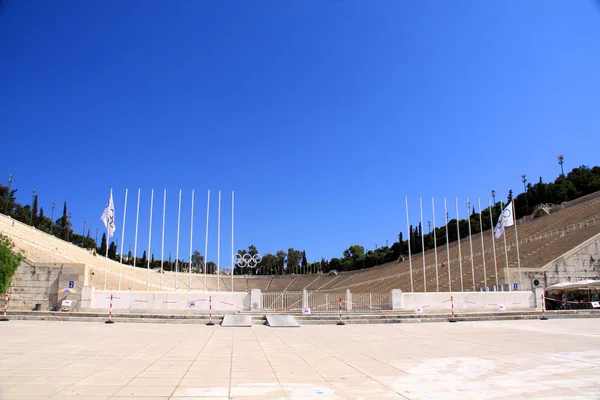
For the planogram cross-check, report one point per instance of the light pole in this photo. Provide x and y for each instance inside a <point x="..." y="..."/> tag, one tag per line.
<point x="52" y="217"/>
<point x="97" y="237"/>
<point x="494" y="196"/>
<point x="68" y="227"/>
<point x="33" y="194"/>
<point x="83" y="235"/>
<point x="561" y="160"/>
<point x="10" y="179"/>
<point x="524" y="180"/>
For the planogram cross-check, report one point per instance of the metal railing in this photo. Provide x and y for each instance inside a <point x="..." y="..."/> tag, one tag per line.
<point x="324" y="301"/>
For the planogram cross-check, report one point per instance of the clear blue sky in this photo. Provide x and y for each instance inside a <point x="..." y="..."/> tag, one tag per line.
<point x="321" y="115"/>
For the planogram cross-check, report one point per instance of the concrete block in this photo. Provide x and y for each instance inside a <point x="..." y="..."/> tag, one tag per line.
<point x="255" y="299"/>
<point x="396" y="299"/>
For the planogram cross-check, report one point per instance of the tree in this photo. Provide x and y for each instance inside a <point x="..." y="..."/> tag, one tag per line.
<point x="144" y="259"/>
<point x="211" y="268"/>
<point x="252" y="250"/>
<point x="269" y="264"/>
<point x="9" y="261"/>
<point x="401" y="241"/>
<point x="293" y="260"/>
<point x="103" y="245"/>
<point x="40" y="219"/>
<point x="197" y="261"/>
<point x="304" y="262"/>
<point x="354" y="252"/>
<point x="112" y="251"/>
<point x="510" y="197"/>
<point x="281" y="255"/>
<point x="11" y="200"/>
<point x="335" y="264"/>
<point x="34" y="208"/>
<point x="64" y="224"/>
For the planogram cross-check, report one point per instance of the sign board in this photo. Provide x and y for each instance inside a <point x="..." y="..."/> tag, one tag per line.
<point x="306" y="311"/>
<point x="66" y="305"/>
<point x="71" y="284"/>
<point x="191" y="304"/>
<point x="419" y="310"/>
<point x="501" y="307"/>
<point x="515" y="286"/>
<point x="596" y="304"/>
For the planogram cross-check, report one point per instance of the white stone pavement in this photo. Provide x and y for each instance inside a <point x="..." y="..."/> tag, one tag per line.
<point x="477" y="360"/>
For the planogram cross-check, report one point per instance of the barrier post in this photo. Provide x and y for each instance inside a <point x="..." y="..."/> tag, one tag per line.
<point x="5" y="307"/>
<point x="110" y="321"/>
<point x="210" y="323"/>
<point x="341" y="322"/>
<point x="453" y="318"/>
<point x="543" y="318"/>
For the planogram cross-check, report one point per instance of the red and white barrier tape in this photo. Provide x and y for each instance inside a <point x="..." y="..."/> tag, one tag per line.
<point x="210" y="311"/>
<point x="110" y="314"/>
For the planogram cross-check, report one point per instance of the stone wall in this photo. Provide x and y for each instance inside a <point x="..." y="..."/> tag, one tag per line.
<point x="471" y="301"/>
<point x="148" y="301"/>
<point x="39" y="284"/>
<point x="582" y="262"/>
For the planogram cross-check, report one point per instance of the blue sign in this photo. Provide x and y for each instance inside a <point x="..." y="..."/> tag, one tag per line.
<point x="72" y="284"/>
<point x="515" y="286"/>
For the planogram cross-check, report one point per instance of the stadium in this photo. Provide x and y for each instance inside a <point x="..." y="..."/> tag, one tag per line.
<point x="557" y="244"/>
<point x="299" y="200"/>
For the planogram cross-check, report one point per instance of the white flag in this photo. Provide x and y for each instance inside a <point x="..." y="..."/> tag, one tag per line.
<point x="505" y="219"/>
<point x="108" y="217"/>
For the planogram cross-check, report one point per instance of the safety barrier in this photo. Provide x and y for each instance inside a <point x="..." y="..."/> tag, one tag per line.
<point x="341" y="322"/>
<point x="4" y="318"/>
<point x="110" y="314"/>
<point x="210" y="323"/>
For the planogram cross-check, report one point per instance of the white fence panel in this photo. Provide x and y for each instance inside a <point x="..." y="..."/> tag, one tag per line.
<point x="282" y="301"/>
<point x="370" y="301"/>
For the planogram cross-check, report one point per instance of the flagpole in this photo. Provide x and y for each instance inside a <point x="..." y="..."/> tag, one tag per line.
<point x="409" y="242"/>
<point x="493" y="242"/>
<point x="162" y="240"/>
<point x="149" y="241"/>
<point x="482" y="246"/>
<point x="107" y="239"/>
<point x="219" y="246"/>
<point x="517" y="241"/>
<point x="122" y="239"/>
<point x="505" y="251"/>
<point x="232" y="248"/>
<point x="423" y="246"/>
<point x="471" y="242"/>
<point x="447" y="247"/>
<point x="462" y="288"/>
<point x="206" y="240"/>
<point x="137" y="216"/>
<point x="177" y="249"/>
<point x="191" y="245"/>
<point x="437" y="282"/>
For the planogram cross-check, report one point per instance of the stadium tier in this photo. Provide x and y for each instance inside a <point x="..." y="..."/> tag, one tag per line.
<point x="541" y="241"/>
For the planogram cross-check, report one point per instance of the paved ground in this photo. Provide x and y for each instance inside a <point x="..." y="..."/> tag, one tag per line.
<point x="493" y="360"/>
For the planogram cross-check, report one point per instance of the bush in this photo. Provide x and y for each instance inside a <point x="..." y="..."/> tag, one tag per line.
<point x="9" y="261"/>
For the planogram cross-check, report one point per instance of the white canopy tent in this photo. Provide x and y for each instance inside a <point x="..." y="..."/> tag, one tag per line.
<point x="579" y="285"/>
